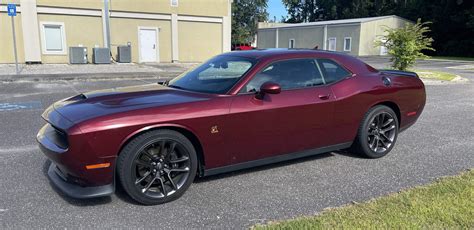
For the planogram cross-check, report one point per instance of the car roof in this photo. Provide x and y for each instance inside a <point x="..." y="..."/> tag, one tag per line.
<point x="352" y="63"/>
<point x="278" y="52"/>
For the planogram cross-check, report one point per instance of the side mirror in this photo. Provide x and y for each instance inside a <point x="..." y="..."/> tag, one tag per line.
<point x="268" y="88"/>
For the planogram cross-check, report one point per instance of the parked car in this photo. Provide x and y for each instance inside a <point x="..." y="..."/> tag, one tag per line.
<point x="242" y="47"/>
<point x="237" y="110"/>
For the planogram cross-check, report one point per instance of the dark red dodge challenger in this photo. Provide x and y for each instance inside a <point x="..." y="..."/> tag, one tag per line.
<point x="238" y="110"/>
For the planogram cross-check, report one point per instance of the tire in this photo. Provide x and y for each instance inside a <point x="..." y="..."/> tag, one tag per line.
<point x="376" y="138"/>
<point x="157" y="166"/>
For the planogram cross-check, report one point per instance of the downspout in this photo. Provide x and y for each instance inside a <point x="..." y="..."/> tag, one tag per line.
<point x="276" y="38"/>
<point x="325" y="37"/>
<point x="107" y="24"/>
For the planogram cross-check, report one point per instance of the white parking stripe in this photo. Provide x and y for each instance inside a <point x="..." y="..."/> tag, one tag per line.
<point x="27" y="148"/>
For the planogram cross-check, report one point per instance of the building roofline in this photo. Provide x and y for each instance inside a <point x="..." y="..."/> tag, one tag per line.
<point x="334" y="22"/>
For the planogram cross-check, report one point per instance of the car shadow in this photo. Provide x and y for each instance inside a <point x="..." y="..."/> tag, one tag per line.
<point x="347" y="153"/>
<point x="73" y="201"/>
<point x="122" y="195"/>
<point x="263" y="167"/>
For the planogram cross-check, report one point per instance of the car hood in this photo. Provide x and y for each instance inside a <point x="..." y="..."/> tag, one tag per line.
<point x="105" y="102"/>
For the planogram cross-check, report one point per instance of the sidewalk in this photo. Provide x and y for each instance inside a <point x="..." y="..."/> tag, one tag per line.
<point x="51" y="72"/>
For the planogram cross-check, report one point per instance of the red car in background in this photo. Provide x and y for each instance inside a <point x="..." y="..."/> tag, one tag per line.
<point x="242" y="47"/>
<point x="237" y="110"/>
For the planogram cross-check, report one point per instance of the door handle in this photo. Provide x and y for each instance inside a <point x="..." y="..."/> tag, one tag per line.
<point x="324" y="96"/>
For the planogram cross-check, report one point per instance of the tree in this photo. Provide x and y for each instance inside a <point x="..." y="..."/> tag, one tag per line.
<point x="452" y="28"/>
<point x="405" y="44"/>
<point x="245" y="17"/>
<point x="302" y="10"/>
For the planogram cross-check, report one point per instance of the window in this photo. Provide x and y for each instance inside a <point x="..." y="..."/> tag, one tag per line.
<point x="53" y="38"/>
<point x="332" y="44"/>
<point x="174" y="3"/>
<point x="217" y="75"/>
<point x="332" y="71"/>
<point x="289" y="74"/>
<point x="347" y="43"/>
<point x="291" y="43"/>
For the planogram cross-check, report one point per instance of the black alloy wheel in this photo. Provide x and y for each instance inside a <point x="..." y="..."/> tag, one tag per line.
<point x="161" y="168"/>
<point x="381" y="132"/>
<point x="377" y="132"/>
<point x="157" y="167"/>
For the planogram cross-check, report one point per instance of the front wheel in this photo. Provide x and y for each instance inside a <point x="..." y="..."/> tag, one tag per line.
<point x="157" y="167"/>
<point x="377" y="133"/>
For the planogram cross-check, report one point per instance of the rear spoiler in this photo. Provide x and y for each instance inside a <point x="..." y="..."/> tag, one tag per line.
<point x="399" y="72"/>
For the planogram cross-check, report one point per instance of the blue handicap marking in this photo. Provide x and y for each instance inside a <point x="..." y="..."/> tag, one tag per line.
<point x="20" y="105"/>
<point x="11" y="8"/>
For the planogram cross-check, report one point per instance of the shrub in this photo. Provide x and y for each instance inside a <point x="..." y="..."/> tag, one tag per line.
<point x="405" y="44"/>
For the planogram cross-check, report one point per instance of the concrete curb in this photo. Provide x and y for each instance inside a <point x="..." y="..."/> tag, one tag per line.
<point x="87" y="76"/>
<point x="457" y="80"/>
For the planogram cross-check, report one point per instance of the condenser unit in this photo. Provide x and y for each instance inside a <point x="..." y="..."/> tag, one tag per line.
<point x="101" y="55"/>
<point x="124" y="54"/>
<point x="78" y="55"/>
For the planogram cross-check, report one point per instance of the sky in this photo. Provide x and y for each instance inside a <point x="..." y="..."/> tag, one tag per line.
<point x="276" y="9"/>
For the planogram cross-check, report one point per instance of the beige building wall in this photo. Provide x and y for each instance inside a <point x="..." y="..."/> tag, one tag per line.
<point x="342" y="31"/>
<point x="84" y="4"/>
<point x="201" y="28"/>
<point x="199" y="41"/>
<point x="79" y="30"/>
<point x="209" y="8"/>
<point x="118" y="37"/>
<point x="374" y="30"/>
<point x="6" y="39"/>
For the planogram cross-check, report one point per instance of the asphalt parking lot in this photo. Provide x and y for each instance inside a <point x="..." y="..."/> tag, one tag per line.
<point x="441" y="143"/>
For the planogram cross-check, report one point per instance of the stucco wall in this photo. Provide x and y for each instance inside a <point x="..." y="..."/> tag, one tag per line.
<point x="305" y="37"/>
<point x="374" y="30"/>
<point x="216" y="8"/>
<point x="79" y="30"/>
<point x="89" y="4"/>
<point x="342" y="31"/>
<point x="266" y="39"/>
<point x="6" y="39"/>
<point x="199" y="41"/>
<point x="118" y="37"/>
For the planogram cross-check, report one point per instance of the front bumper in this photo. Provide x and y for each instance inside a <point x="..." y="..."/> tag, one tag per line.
<point x="68" y="172"/>
<point x="74" y="190"/>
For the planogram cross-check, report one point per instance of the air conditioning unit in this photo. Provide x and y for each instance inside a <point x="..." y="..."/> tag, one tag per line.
<point x="101" y="55"/>
<point x="78" y="55"/>
<point x="124" y="54"/>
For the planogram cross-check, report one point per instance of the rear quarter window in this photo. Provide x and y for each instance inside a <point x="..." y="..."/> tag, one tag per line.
<point x="332" y="71"/>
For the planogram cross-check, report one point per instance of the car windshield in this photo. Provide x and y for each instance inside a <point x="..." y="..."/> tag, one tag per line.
<point x="217" y="75"/>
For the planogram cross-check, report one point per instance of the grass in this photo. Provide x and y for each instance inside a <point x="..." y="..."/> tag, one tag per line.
<point x="446" y="204"/>
<point x="453" y="58"/>
<point x="435" y="75"/>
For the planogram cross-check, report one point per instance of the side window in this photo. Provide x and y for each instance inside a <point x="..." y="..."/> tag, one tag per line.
<point x="289" y="74"/>
<point x="332" y="71"/>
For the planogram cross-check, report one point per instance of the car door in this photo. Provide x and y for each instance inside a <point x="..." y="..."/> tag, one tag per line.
<point x="296" y="119"/>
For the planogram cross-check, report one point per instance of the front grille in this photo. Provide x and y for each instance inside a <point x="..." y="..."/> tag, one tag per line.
<point x="58" y="137"/>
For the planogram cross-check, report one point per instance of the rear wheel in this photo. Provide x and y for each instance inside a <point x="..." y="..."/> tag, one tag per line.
<point x="157" y="167"/>
<point x="377" y="133"/>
